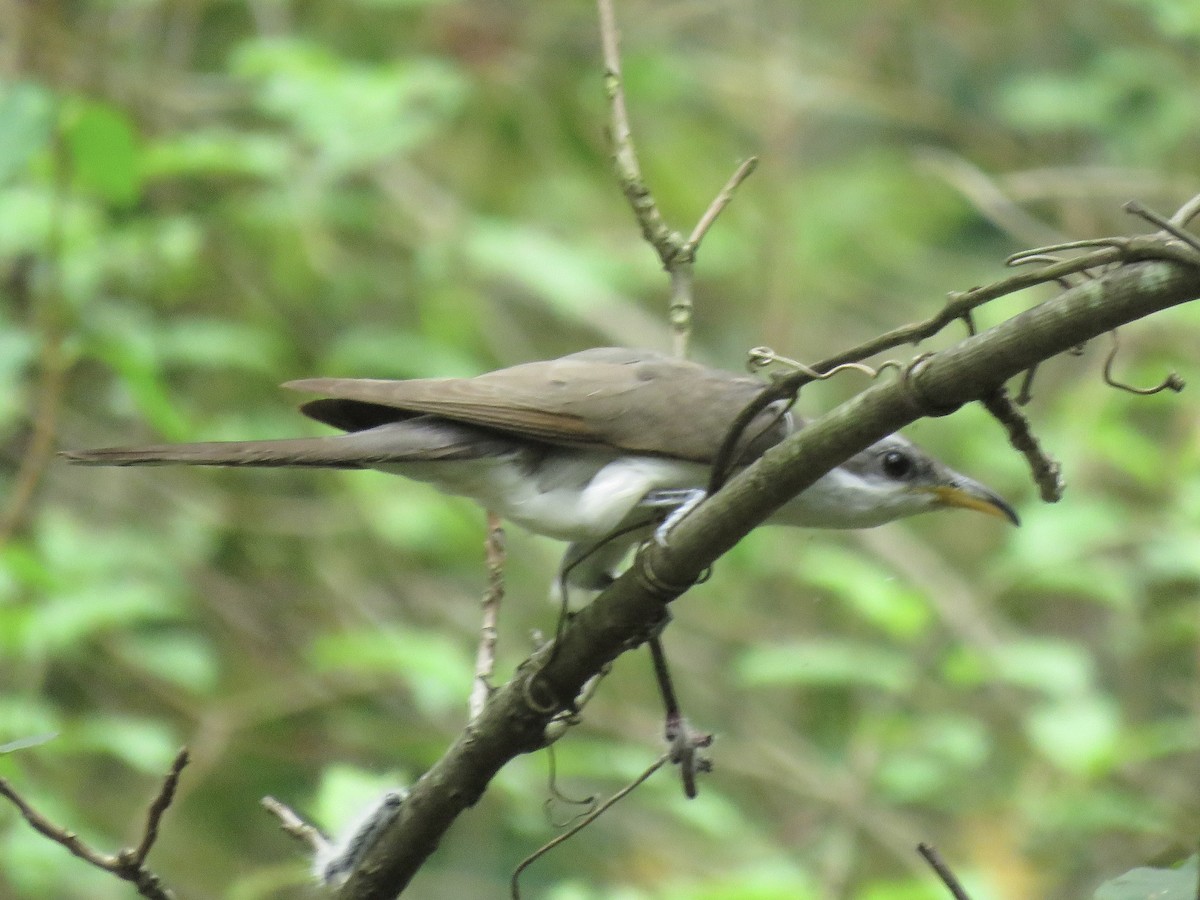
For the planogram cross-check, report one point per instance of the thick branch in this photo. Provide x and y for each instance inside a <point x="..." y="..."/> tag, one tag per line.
<point x="937" y="385"/>
<point x="625" y="615"/>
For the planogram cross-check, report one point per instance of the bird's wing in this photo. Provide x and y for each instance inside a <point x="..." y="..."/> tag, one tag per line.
<point x="633" y="401"/>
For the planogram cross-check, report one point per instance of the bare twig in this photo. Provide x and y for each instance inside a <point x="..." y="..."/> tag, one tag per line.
<point x="127" y="864"/>
<point x="676" y="254"/>
<point x="678" y="257"/>
<point x="931" y="856"/>
<point x="1184" y="215"/>
<point x="1047" y="472"/>
<point x="485" y="658"/>
<point x="45" y="827"/>
<point x="158" y="807"/>
<point x="583" y="823"/>
<point x="1133" y="207"/>
<point x="655" y="229"/>
<point x="291" y="823"/>
<point x="744" y="170"/>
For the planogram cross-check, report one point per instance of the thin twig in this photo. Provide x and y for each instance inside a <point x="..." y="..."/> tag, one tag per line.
<point x="485" y="657"/>
<point x="583" y="823"/>
<point x="1133" y="207"/>
<point x="128" y="864"/>
<point x="931" y="856"/>
<point x="1047" y="471"/>
<point x="291" y="823"/>
<point x="743" y="171"/>
<point x="1184" y="215"/>
<point x="655" y="229"/>
<point x="676" y="254"/>
<point x="1102" y="243"/>
<point x="160" y="804"/>
<point x="45" y="827"/>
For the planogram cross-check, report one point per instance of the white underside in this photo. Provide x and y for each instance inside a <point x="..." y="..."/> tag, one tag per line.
<point x="569" y="495"/>
<point x="583" y="497"/>
<point x="576" y="495"/>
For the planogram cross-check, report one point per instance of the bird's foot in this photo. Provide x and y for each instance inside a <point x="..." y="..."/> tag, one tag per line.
<point x="682" y="501"/>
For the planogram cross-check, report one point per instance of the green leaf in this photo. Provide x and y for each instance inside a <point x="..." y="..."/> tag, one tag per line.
<point x="826" y="661"/>
<point x="221" y="344"/>
<point x="929" y="755"/>
<point x="1077" y="734"/>
<point x="436" y="669"/>
<point x="351" y="115"/>
<point x="870" y="589"/>
<point x="27" y="111"/>
<point x="180" y="658"/>
<point x="1056" y="668"/>
<point x="1153" y="884"/>
<point x="143" y="744"/>
<point x="571" y="281"/>
<point x="104" y="152"/>
<point x="770" y="880"/>
<point x="217" y="152"/>
<point x="65" y="620"/>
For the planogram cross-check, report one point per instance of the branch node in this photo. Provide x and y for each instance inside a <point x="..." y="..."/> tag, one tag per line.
<point x="1133" y="207"/>
<point x="917" y="398"/>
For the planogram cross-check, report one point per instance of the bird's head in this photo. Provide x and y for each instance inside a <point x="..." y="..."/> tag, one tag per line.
<point x="891" y="479"/>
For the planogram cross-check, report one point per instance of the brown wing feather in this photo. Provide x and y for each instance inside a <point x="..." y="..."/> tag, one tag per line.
<point x="615" y="398"/>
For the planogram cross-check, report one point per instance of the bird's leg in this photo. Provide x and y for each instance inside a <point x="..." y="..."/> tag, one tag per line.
<point x="685" y="742"/>
<point x="680" y="501"/>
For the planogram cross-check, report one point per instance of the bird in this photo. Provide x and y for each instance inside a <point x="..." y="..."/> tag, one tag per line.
<point x="592" y="448"/>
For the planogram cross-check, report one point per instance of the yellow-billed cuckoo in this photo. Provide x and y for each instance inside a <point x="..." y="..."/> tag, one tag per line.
<point x="579" y="447"/>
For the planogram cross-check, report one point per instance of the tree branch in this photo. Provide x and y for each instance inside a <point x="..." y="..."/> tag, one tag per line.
<point x="625" y="615"/>
<point x="128" y="864"/>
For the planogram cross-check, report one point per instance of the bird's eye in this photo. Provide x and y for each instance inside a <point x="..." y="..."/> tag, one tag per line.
<point x="896" y="464"/>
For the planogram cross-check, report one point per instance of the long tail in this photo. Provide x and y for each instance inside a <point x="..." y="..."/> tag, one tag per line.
<point x="413" y="440"/>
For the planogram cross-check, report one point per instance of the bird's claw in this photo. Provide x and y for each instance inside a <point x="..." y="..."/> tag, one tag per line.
<point x="683" y="501"/>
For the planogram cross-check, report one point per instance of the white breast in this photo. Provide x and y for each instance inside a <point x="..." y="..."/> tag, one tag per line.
<point x="569" y="495"/>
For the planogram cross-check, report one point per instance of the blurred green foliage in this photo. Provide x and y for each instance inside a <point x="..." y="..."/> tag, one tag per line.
<point x="200" y="201"/>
